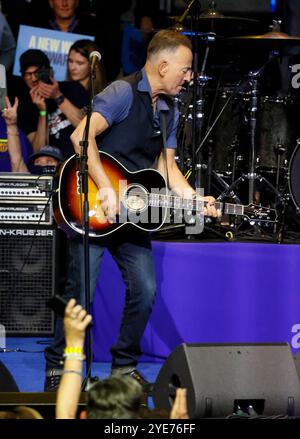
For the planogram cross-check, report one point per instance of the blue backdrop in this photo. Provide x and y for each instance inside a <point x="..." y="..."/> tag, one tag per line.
<point x="208" y="293"/>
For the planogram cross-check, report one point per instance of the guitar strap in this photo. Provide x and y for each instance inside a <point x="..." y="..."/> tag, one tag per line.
<point x="164" y="136"/>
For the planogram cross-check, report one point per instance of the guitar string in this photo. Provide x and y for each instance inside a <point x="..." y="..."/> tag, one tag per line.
<point x="194" y="201"/>
<point x="177" y="197"/>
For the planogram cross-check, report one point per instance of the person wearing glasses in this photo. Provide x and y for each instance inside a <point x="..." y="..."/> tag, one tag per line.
<point x="48" y="110"/>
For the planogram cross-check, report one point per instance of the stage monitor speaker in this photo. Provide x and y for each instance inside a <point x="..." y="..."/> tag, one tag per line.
<point x="220" y="378"/>
<point x="27" y="280"/>
<point x="7" y="382"/>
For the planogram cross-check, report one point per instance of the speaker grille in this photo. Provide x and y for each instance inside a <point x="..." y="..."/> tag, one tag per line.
<point x="27" y="280"/>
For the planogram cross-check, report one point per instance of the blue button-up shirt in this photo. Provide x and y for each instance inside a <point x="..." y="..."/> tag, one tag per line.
<point x="115" y="101"/>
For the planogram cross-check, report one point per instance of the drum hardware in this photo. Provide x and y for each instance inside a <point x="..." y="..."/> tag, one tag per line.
<point x="273" y="39"/>
<point x="213" y="20"/>
<point x="276" y="135"/>
<point x="253" y="81"/>
<point x="200" y="79"/>
<point x="251" y="176"/>
<point x="196" y="109"/>
<point x="179" y="27"/>
<point x="233" y="148"/>
<point x="197" y="129"/>
<point x="294" y="177"/>
<point x="209" y="169"/>
<point x="196" y="115"/>
<point x="279" y="150"/>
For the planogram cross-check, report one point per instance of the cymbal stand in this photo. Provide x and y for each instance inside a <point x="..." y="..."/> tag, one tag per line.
<point x="253" y="78"/>
<point x="253" y="82"/>
<point x="199" y="81"/>
<point x="200" y="111"/>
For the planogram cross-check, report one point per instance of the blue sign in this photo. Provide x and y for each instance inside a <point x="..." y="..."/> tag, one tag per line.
<point x="55" y="44"/>
<point x="273" y="5"/>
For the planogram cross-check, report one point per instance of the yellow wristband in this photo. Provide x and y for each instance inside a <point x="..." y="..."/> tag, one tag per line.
<point x="43" y="113"/>
<point x="70" y="350"/>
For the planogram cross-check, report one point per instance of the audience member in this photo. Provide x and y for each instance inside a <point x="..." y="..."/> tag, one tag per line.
<point x="79" y="66"/>
<point x="118" y="397"/>
<point x="32" y="110"/>
<point x="148" y="16"/>
<point x="21" y="412"/>
<point x="43" y="161"/>
<point x="49" y="110"/>
<point x="46" y="160"/>
<point x="7" y="43"/>
<point x="64" y="17"/>
<point x="24" y="12"/>
<point x="15" y="148"/>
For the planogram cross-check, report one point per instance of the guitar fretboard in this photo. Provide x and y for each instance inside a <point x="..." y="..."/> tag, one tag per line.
<point x="195" y="205"/>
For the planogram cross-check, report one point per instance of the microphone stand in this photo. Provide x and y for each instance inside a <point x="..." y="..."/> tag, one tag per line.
<point x="82" y="166"/>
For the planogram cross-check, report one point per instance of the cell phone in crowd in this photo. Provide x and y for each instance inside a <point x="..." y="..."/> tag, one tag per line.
<point x="45" y="74"/>
<point x="58" y="304"/>
<point x="3" y="90"/>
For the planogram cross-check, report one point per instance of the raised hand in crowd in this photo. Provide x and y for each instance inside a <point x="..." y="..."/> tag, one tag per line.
<point x="9" y="114"/>
<point x="76" y="321"/>
<point x="49" y="91"/>
<point x="52" y="91"/>
<point x="179" y="409"/>
<point x="37" y="98"/>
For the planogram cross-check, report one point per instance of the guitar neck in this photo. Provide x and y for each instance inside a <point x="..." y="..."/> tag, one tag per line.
<point x="176" y="202"/>
<point x="230" y="209"/>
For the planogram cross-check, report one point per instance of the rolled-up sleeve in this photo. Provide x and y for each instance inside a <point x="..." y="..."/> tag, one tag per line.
<point x="114" y="102"/>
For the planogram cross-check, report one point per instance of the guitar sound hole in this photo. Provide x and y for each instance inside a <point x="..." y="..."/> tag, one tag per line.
<point x="136" y="198"/>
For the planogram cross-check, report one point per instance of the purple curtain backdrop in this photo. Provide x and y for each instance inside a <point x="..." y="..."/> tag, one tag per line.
<point x="208" y="293"/>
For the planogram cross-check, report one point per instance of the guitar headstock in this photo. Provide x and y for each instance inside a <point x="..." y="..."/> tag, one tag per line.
<point x="260" y="213"/>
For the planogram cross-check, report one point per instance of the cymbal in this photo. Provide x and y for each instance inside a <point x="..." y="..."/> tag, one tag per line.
<point x="223" y="25"/>
<point x="209" y="16"/>
<point x="274" y="37"/>
<point x="220" y="17"/>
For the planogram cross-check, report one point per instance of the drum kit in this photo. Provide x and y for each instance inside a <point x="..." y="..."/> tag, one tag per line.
<point x="238" y="128"/>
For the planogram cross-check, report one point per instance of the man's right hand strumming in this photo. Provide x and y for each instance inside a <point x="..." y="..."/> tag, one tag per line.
<point x="109" y="203"/>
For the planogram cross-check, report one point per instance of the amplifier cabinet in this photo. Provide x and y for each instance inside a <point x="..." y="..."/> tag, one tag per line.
<point x="27" y="279"/>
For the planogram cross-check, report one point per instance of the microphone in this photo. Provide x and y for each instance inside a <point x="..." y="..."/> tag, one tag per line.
<point x="94" y="58"/>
